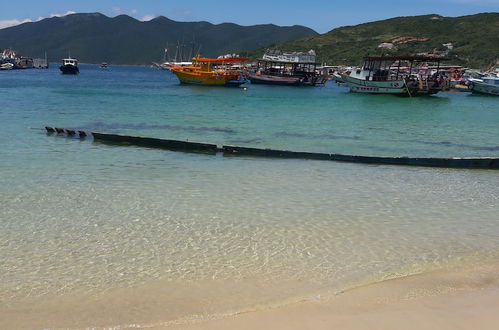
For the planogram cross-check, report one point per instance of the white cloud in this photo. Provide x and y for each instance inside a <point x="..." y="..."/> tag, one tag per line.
<point x="13" y="22"/>
<point x="69" y="12"/>
<point x="148" y="18"/>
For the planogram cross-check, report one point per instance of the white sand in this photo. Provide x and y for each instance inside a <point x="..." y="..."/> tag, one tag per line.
<point x="464" y="299"/>
<point x="457" y="300"/>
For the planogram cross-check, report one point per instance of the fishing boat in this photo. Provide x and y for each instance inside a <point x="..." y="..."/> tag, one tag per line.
<point x="485" y="85"/>
<point x="288" y="69"/>
<point x="211" y="72"/>
<point x="104" y="65"/>
<point x="69" y="66"/>
<point x="400" y="75"/>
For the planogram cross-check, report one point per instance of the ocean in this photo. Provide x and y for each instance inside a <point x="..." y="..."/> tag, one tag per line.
<point x="94" y="234"/>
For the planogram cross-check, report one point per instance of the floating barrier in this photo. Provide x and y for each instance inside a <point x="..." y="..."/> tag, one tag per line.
<point x="233" y="150"/>
<point x="177" y="145"/>
<point x="451" y="162"/>
<point x="156" y="143"/>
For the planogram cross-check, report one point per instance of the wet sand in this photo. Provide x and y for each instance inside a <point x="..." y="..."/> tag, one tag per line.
<point x="458" y="299"/>
<point x="446" y="300"/>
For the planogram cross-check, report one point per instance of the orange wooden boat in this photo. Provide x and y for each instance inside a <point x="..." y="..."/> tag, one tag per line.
<point x="211" y="72"/>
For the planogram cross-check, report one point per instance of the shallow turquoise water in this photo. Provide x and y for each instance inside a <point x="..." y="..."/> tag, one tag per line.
<point x="83" y="218"/>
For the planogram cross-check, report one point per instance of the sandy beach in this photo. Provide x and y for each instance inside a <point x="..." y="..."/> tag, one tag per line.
<point x="443" y="300"/>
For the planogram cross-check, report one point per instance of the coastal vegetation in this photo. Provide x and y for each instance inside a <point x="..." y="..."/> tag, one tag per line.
<point x="473" y="39"/>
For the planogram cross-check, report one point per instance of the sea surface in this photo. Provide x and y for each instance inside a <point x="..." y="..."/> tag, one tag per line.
<point x="93" y="234"/>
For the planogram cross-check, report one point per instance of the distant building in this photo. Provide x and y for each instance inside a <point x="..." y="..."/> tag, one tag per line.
<point x="449" y="45"/>
<point x="386" y="45"/>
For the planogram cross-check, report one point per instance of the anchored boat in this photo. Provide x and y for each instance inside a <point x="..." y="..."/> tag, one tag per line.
<point x="288" y="69"/>
<point x="211" y="71"/>
<point x="485" y="85"/>
<point x="402" y="75"/>
<point x="69" y="66"/>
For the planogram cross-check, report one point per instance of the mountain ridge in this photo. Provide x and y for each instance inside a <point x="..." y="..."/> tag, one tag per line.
<point x="95" y="38"/>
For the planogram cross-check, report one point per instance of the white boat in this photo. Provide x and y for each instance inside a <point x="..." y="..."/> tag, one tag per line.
<point x="485" y="85"/>
<point x="380" y="75"/>
<point x="69" y="66"/>
<point x="169" y="65"/>
<point x="6" y="66"/>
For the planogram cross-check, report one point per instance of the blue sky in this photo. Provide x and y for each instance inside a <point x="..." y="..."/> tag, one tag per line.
<point x="320" y="15"/>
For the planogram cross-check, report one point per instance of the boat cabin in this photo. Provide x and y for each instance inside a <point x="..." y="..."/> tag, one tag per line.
<point x="298" y="68"/>
<point x="70" y="61"/>
<point x="391" y="68"/>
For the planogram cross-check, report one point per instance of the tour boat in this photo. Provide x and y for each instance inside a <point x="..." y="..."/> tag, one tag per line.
<point x="288" y="69"/>
<point x="402" y="75"/>
<point x="211" y="72"/>
<point x="69" y="66"/>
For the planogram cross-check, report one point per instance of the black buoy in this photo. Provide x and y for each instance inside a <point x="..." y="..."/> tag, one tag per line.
<point x="70" y="132"/>
<point x="49" y="129"/>
<point x="59" y="130"/>
<point x="82" y="134"/>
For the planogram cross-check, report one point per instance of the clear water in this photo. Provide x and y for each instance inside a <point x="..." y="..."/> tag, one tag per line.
<point x="194" y="236"/>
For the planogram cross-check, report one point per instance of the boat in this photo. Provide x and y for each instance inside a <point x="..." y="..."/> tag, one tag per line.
<point x="104" y="65"/>
<point x="336" y="77"/>
<point x="69" y="66"/>
<point x="6" y="66"/>
<point x="485" y="85"/>
<point x="400" y="75"/>
<point x="266" y="79"/>
<point x="211" y="72"/>
<point x="168" y="65"/>
<point x="288" y="69"/>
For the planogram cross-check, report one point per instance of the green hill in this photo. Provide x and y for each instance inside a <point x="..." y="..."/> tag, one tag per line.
<point x="95" y="38"/>
<point x="475" y="39"/>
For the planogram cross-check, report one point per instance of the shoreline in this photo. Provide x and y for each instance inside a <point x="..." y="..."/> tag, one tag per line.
<point x="459" y="297"/>
<point x="437" y="300"/>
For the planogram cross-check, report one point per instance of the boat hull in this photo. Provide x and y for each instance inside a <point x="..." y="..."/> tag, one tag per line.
<point x="395" y="87"/>
<point x="274" y="80"/>
<point x="375" y="87"/>
<point x="483" y="88"/>
<point x="208" y="78"/>
<point x="69" y="69"/>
